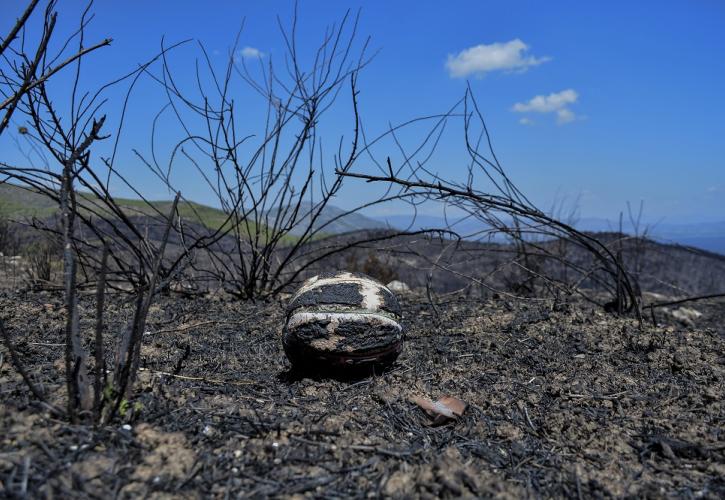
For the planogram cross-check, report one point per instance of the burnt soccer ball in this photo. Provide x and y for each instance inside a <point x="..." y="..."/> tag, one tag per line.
<point x="342" y="321"/>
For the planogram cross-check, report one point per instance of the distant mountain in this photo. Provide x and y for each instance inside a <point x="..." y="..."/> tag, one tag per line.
<point x="17" y="202"/>
<point x="332" y="220"/>
<point x="705" y="235"/>
<point x="708" y="236"/>
<point x="464" y="226"/>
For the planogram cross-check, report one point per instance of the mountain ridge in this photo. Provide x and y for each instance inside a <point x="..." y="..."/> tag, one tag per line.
<point x="16" y="201"/>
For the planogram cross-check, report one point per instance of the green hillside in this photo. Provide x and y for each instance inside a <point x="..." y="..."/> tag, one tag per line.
<point x="210" y="217"/>
<point x="19" y="203"/>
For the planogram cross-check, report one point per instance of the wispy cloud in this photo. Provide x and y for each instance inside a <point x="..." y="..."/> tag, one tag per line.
<point x="548" y="103"/>
<point x="557" y="103"/>
<point x="526" y="121"/>
<point x="499" y="56"/>
<point x="564" y="116"/>
<point x="251" y="53"/>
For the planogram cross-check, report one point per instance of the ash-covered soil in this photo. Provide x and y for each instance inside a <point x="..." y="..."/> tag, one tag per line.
<point x="563" y="401"/>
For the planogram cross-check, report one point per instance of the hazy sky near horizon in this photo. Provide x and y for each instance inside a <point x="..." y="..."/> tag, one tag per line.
<point x="593" y="103"/>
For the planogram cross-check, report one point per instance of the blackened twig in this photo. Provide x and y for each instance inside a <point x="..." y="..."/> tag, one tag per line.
<point x="682" y="301"/>
<point x="100" y="380"/>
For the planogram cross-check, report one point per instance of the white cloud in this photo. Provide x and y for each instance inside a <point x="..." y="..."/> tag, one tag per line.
<point x="526" y="121"/>
<point x="548" y="103"/>
<point x="557" y="102"/>
<point x="481" y="59"/>
<point x="251" y="53"/>
<point x="564" y="115"/>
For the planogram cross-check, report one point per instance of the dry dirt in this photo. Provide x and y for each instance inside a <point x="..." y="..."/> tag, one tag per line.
<point x="562" y="401"/>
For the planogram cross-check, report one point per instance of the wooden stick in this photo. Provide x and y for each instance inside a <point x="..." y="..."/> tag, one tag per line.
<point x="100" y="378"/>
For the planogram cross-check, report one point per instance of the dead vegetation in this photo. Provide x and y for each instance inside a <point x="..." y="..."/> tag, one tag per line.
<point x="561" y="402"/>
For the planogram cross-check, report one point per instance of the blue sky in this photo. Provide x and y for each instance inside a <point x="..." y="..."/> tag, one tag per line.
<point x="598" y="102"/>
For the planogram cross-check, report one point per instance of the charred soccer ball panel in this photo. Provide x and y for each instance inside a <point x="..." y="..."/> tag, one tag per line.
<point x="342" y="321"/>
<point x="344" y="288"/>
<point x="339" y="293"/>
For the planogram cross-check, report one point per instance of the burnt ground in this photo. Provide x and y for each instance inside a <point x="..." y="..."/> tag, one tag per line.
<point x="566" y="402"/>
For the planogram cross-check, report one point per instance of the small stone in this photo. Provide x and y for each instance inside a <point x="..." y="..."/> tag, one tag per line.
<point x="398" y="287"/>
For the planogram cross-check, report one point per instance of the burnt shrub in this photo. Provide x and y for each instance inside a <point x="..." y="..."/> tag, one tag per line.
<point x="8" y="240"/>
<point x="43" y="259"/>
<point x="373" y="267"/>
